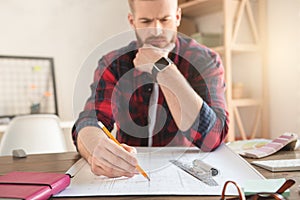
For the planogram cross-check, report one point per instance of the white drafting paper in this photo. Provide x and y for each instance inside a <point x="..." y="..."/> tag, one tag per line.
<point x="166" y="178"/>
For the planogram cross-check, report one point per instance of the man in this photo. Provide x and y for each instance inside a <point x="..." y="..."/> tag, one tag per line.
<point x="161" y="90"/>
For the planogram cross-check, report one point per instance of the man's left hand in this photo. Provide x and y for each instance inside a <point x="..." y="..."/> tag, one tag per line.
<point x="148" y="55"/>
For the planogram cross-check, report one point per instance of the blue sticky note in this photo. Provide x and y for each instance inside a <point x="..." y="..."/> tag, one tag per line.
<point x="264" y="185"/>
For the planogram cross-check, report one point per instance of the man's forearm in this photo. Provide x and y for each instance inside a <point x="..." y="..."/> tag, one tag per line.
<point x="183" y="101"/>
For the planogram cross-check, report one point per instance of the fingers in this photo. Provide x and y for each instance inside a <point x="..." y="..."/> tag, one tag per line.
<point x="103" y="167"/>
<point x="153" y="53"/>
<point x="170" y="47"/>
<point x="167" y="48"/>
<point x="129" y="148"/>
<point x="118" y="156"/>
<point x="146" y="57"/>
<point x="162" y="51"/>
<point x="111" y="160"/>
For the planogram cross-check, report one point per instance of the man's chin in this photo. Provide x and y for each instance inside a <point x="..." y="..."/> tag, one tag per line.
<point x="160" y="45"/>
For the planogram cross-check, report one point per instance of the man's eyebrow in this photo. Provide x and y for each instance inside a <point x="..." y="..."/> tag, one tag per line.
<point x="145" y="19"/>
<point x="150" y="19"/>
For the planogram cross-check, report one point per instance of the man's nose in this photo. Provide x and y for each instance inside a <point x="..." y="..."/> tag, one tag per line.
<point x="157" y="28"/>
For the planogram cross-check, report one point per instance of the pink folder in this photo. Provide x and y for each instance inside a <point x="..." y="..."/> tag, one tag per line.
<point x="32" y="185"/>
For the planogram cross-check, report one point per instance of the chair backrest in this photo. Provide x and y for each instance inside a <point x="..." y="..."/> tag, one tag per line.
<point x="39" y="133"/>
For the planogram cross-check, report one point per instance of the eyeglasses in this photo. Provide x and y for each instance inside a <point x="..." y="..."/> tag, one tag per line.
<point x="262" y="195"/>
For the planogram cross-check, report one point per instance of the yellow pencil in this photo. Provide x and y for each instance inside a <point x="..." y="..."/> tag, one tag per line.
<point x="106" y="131"/>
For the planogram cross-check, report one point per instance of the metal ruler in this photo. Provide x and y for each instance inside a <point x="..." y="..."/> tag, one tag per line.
<point x="202" y="175"/>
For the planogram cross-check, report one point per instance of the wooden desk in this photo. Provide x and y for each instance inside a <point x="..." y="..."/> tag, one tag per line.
<point x="62" y="161"/>
<point x="292" y="175"/>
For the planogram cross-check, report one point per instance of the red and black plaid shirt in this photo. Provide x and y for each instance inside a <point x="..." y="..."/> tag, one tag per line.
<point x="120" y="94"/>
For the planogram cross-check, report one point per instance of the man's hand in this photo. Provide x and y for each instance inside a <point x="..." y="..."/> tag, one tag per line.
<point x="107" y="158"/>
<point x="148" y="55"/>
<point x="111" y="160"/>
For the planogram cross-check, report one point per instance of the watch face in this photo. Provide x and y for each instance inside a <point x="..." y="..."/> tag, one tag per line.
<point x="162" y="63"/>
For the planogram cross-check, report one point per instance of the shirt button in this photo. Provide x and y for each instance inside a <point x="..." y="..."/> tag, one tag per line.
<point x="149" y="89"/>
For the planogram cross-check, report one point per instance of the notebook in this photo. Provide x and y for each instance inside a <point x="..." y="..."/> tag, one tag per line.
<point x="32" y="185"/>
<point x="279" y="165"/>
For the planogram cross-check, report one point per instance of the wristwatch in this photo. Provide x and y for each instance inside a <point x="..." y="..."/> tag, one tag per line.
<point x="159" y="66"/>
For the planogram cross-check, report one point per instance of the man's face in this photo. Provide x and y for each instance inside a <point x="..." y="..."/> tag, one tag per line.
<point x="155" y="21"/>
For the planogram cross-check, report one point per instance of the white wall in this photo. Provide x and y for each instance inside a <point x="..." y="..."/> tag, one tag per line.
<point x="67" y="30"/>
<point x="284" y="65"/>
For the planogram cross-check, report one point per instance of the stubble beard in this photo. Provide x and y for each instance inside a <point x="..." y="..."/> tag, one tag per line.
<point x="148" y="40"/>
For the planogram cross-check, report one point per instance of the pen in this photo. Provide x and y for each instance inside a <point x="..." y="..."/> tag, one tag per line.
<point x="106" y="131"/>
<point x="206" y="167"/>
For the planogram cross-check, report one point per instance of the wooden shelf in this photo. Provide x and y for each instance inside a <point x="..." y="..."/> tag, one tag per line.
<point x="245" y="102"/>
<point x="219" y="49"/>
<point x="237" y="15"/>
<point x="199" y="8"/>
<point x="238" y="48"/>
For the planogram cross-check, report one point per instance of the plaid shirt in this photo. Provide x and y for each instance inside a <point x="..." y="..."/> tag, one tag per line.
<point x="120" y="94"/>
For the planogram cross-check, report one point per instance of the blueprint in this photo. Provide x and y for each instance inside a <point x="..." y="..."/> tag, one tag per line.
<point x="166" y="178"/>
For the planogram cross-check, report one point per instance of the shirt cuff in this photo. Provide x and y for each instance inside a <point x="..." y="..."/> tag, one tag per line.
<point x="207" y="119"/>
<point x="86" y="123"/>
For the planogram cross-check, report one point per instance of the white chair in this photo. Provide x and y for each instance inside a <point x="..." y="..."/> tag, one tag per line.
<point x="39" y="133"/>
